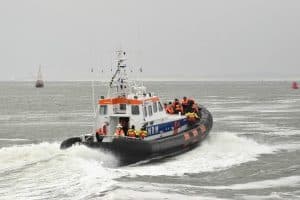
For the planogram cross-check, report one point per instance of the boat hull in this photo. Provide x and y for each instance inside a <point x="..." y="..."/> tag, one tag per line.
<point x="130" y="150"/>
<point x="39" y="84"/>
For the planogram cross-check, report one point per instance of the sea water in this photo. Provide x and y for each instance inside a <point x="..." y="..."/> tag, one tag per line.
<point x="252" y="151"/>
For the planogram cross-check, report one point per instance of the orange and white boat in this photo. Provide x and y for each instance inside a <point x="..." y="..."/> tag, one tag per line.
<point x="133" y="123"/>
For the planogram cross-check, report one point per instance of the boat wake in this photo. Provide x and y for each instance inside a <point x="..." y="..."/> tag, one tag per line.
<point x="220" y="151"/>
<point x="43" y="169"/>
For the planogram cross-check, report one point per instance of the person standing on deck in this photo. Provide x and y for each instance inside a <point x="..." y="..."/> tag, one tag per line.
<point x="131" y="132"/>
<point x="119" y="131"/>
<point x="184" y="103"/>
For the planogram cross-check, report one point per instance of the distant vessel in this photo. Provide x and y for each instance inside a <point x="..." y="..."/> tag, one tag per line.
<point x="39" y="82"/>
<point x="133" y="124"/>
<point x="295" y="85"/>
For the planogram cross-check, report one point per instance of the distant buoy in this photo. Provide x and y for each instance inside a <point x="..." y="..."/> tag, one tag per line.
<point x="295" y="85"/>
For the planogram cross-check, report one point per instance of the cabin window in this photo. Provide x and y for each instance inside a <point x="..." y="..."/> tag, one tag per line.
<point x="123" y="107"/>
<point x="154" y="107"/>
<point x="160" y="107"/>
<point x="145" y="111"/>
<point x="135" y="110"/>
<point x="103" y="110"/>
<point x="150" y="110"/>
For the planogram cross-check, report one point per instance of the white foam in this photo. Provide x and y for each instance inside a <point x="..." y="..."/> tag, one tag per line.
<point x="13" y="139"/>
<point x="273" y="195"/>
<point x="140" y="190"/>
<point x="219" y="151"/>
<point x="291" y="181"/>
<point x="18" y="156"/>
<point x="43" y="170"/>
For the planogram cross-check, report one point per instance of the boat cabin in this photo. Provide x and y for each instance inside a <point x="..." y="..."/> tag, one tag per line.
<point x="130" y="111"/>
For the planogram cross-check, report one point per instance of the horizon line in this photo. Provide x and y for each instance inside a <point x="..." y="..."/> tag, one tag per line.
<point x="165" y="80"/>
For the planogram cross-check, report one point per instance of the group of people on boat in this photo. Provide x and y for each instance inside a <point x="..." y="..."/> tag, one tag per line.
<point x="121" y="132"/>
<point x="132" y="132"/>
<point x="185" y="106"/>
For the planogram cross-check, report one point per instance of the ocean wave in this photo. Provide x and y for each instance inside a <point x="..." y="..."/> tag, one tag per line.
<point x="290" y="181"/>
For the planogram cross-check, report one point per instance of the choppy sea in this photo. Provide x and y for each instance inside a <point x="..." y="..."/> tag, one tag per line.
<point x="252" y="152"/>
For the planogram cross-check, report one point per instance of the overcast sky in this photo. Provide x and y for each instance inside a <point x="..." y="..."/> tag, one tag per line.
<point x="170" y="39"/>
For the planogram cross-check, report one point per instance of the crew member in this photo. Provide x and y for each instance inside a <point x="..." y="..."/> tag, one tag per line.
<point x="170" y="108"/>
<point x="178" y="108"/>
<point x="191" y="116"/>
<point x="119" y="131"/>
<point x="184" y="103"/>
<point x="189" y="107"/>
<point x="101" y="132"/>
<point x="131" y="132"/>
<point x="176" y="101"/>
<point x="143" y="133"/>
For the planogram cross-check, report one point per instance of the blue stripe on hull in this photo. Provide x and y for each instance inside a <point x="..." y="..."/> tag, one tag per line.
<point x="165" y="127"/>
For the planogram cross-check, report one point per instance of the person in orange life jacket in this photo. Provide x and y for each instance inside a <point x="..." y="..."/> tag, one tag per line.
<point x="184" y="104"/>
<point x="101" y="132"/>
<point x="175" y="102"/>
<point x="143" y="133"/>
<point x="177" y="106"/>
<point x="191" y="117"/>
<point x="119" y="131"/>
<point x="170" y="108"/>
<point x="131" y="132"/>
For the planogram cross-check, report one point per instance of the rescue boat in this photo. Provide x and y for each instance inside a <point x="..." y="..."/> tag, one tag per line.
<point x="129" y="107"/>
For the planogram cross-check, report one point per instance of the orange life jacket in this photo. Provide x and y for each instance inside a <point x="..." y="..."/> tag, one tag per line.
<point x="131" y="133"/>
<point x="119" y="132"/>
<point x="143" y="134"/>
<point x="170" y="109"/>
<point x="102" y="131"/>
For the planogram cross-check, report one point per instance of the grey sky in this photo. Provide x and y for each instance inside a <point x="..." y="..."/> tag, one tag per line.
<point x="213" y="39"/>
